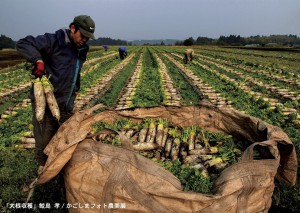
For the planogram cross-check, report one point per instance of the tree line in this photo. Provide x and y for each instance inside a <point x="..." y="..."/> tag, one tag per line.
<point x="6" y="42"/>
<point x="237" y="40"/>
<point x="106" y="41"/>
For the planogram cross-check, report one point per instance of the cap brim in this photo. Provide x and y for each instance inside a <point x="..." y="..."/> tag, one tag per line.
<point x="87" y="33"/>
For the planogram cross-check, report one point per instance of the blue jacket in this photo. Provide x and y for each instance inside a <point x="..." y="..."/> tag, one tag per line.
<point x="63" y="61"/>
<point x="123" y="49"/>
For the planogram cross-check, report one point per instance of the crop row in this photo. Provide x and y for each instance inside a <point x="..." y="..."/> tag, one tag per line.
<point x="248" y="83"/>
<point x="283" y="63"/>
<point x="292" y="82"/>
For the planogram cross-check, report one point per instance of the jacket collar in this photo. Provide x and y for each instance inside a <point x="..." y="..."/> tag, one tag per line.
<point x="64" y="39"/>
<point x="67" y="35"/>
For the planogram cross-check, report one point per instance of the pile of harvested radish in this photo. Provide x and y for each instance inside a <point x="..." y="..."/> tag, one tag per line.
<point x="206" y="152"/>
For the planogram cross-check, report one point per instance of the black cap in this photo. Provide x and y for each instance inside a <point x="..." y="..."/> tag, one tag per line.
<point x="86" y="25"/>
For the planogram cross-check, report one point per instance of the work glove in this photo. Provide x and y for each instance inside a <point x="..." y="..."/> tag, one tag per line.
<point x="39" y="69"/>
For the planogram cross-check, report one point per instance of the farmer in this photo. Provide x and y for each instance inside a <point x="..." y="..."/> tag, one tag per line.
<point x="122" y="52"/>
<point x="188" y="55"/>
<point x="105" y="47"/>
<point x="60" y="56"/>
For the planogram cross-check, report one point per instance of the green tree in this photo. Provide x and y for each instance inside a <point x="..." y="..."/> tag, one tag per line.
<point x="107" y="41"/>
<point x="204" y="40"/>
<point x="6" y="42"/>
<point x="188" y="42"/>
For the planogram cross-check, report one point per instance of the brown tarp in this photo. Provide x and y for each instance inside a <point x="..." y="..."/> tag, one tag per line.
<point x="120" y="180"/>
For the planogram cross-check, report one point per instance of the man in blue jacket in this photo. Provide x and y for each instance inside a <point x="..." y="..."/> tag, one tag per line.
<point x="122" y="52"/>
<point x="59" y="55"/>
<point x="105" y="47"/>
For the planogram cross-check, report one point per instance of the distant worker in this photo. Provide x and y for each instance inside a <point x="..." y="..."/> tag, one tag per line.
<point x="105" y="47"/>
<point x="122" y="52"/>
<point x="188" y="55"/>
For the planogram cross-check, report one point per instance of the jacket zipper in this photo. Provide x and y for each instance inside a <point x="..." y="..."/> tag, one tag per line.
<point x="74" y="80"/>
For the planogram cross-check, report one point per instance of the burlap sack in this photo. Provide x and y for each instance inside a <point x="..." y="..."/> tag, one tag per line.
<point x="105" y="178"/>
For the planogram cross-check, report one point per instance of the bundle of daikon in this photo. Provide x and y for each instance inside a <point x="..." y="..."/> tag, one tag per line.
<point x="43" y="94"/>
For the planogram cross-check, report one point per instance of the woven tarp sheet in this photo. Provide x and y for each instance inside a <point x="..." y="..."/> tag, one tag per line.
<point x="101" y="174"/>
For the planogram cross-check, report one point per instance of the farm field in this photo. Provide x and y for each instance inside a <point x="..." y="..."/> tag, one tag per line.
<point x="9" y="58"/>
<point x="263" y="84"/>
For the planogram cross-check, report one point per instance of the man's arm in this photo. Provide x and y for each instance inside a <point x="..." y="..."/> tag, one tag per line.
<point x="32" y="47"/>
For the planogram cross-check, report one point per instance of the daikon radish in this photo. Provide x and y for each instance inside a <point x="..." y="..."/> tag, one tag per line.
<point x="213" y="150"/>
<point x="202" y="151"/>
<point x="160" y="131"/>
<point x="129" y="133"/>
<point x="205" y="157"/>
<point x="50" y="98"/>
<point x="183" y="151"/>
<point x="27" y="140"/>
<point x="151" y="132"/>
<point x="184" y="136"/>
<point x="145" y="146"/>
<point x="199" y="166"/>
<point x="5" y="116"/>
<point x="3" y="121"/>
<point x="203" y="138"/>
<point x="14" y="113"/>
<point x="134" y="128"/>
<point x="204" y="173"/>
<point x="25" y="146"/>
<point x="192" y="159"/>
<point x="191" y="139"/>
<point x="165" y="137"/>
<point x="40" y="100"/>
<point x="28" y="134"/>
<point x="168" y="147"/>
<point x="213" y="162"/>
<point x="175" y="149"/>
<point x="221" y="166"/>
<point x="143" y="133"/>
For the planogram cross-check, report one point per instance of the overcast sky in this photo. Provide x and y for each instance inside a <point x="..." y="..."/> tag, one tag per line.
<point x="153" y="19"/>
